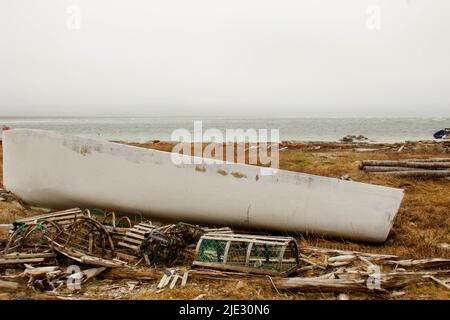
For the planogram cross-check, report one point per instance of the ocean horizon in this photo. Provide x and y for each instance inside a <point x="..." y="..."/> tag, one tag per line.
<point x="143" y="129"/>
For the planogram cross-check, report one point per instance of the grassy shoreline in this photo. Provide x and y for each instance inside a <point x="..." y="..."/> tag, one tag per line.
<point x="421" y="226"/>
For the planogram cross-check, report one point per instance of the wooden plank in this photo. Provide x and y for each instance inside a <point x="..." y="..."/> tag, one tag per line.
<point x="417" y="173"/>
<point x="131" y="273"/>
<point x="51" y="215"/>
<point x="101" y="262"/>
<point x="16" y="261"/>
<point x="162" y="281"/>
<point x="131" y="240"/>
<point x="126" y="257"/>
<point x="147" y="260"/>
<point x="138" y="226"/>
<point x="172" y="272"/>
<point x="134" y="235"/>
<point x="184" y="279"/>
<point x="174" y="281"/>
<point x="143" y="224"/>
<point x="386" y="169"/>
<point x="123" y="244"/>
<point x="37" y="270"/>
<point x="18" y="255"/>
<point x="237" y="268"/>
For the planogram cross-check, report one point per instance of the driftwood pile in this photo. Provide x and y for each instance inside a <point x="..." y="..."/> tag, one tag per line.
<point x="417" y="168"/>
<point x="352" y="271"/>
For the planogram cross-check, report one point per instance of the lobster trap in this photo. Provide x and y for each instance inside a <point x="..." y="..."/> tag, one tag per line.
<point x="247" y="253"/>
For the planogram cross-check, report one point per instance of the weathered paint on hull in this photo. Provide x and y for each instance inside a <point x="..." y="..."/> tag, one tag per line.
<point x="55" y="170"/>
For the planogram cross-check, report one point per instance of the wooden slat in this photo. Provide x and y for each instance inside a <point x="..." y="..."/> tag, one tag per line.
<point x="141" y="232"/>
<point x="123" y="244"/>
<point x="138" y="226"/>
<point x="50" y="215"/>
<point x="27" y="260"/>
<point x="28" y="255"/>
<point x="134" y="235"/>
<point x="132" y="241"/>
<point x="143" y="224"/>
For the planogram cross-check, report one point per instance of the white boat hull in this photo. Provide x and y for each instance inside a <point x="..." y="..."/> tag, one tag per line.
<point x="55" y="170"/>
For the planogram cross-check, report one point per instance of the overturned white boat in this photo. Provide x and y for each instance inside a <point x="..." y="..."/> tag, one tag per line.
<point x="55" y="170"/>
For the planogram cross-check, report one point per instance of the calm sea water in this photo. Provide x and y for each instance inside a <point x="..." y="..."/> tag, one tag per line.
<point x="143" y="129"/>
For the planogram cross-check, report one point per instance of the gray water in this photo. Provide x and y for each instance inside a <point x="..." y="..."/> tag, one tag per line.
<point x="142" y="129"/>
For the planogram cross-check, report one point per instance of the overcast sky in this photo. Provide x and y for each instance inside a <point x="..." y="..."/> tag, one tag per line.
<point x="229" y="57"/>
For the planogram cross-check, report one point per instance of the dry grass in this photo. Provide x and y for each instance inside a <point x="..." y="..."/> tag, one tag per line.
<point x="422" y="223"/>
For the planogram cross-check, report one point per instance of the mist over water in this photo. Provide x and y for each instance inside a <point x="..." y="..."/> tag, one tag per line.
<point x="143" y="129"/>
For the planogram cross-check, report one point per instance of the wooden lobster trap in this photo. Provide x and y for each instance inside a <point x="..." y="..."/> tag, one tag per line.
<point x="247" y="253"/>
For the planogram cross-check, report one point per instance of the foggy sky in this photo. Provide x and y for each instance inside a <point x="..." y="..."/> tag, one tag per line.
<point x="230" y="57"/>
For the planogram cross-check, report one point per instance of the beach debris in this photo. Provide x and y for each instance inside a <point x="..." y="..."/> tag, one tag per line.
<point x="352" y="138"/>
<point x="267" y="255"/>
<point x="417" y="168"/>
<point x="41" y="247"/>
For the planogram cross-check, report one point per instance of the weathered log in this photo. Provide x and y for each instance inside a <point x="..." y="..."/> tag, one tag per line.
<point x="95" y="261"/>
<point x="429" y="160"/>
<point x="417" y="173"/>
<point x="386" y="169"/>
<point x="421" y="263"/>
<point x="404" y="163"/>
<point x="323" y="284"/>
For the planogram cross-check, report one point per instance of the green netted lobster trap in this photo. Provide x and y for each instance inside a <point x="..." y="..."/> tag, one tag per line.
<point x="247" y="253"/>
